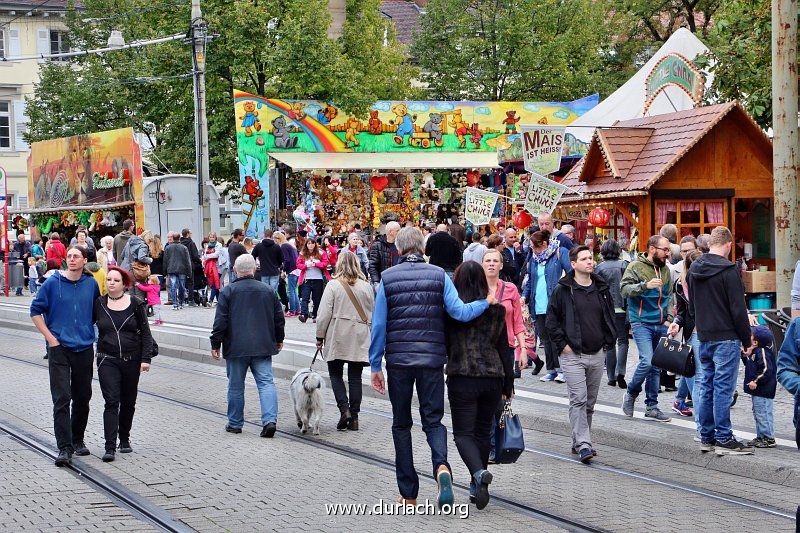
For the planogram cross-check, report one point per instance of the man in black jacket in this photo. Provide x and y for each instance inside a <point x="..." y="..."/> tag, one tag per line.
<point x="194" y="257"/>
<point x="443" y="250"/>
<point x="178" y="267"/>
<point x="513" y="259"/>
<point x="270" y="257"/>
<point x="249" y="326"/>
<point x="383" y="253"/>
<point x="235" y="249"/>
<point x="716" y="302"/>
<point x="582" y="339"/>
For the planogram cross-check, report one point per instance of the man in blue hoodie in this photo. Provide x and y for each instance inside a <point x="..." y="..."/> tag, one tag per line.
<point x="789" y="370"/>
<point x="62" y="312"/>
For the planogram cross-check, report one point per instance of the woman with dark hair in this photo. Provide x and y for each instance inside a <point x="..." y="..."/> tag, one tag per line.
<point x="478" y="376"/>
<point x="684" y="320"/>
<point x="124" y="350"/>
<point x="312" y="264"/>
<point x="547" y="262"/>
<point x="611" y="270"/>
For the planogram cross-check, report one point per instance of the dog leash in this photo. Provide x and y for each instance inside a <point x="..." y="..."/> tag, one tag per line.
<point x="317" y="353"/>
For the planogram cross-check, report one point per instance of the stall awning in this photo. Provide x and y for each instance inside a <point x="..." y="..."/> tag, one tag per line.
<point x="385" y="161"/>
<point x="96" y="207"/>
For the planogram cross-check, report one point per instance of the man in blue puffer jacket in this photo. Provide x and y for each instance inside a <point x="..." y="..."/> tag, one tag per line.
<point x="63" y="313"/>
<point x="408" y="329"/>
<point x="789" y="369"/>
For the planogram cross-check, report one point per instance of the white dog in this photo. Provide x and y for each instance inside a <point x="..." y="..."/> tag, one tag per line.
<point x="306" y="393"/>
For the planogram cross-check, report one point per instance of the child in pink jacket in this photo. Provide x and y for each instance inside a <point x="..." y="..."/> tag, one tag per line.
<point x="153" y="291"/>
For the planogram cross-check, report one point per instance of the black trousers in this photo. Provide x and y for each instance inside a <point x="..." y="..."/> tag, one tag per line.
<point x="70" y="382"/>
<point x="311" y="290"/>
<point x="473" y="402"/>
<point x="336" y="373"/>
<point x="550" y="355"/>
<point x="282" y="295"/>
<point x="119" y="381"/>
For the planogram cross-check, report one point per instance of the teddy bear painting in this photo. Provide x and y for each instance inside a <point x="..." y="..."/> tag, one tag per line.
<point x="281" y="134"/>
<point x="404" y="122"/>
<point x="351" y="134"/>
<point x="434" y="128"/>
<point x="460" y="127"/>
<point x="326" y="114"/>
<point x="511" y="122"/>
<point x="374" y="125"/>
<point x="250" y="119"/>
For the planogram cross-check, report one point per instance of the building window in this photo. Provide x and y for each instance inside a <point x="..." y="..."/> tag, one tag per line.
<point x="58" y="44"/>
<point x="692" y="217"/>
<point x="2" y="43"/>
<point x="5" y="124"/>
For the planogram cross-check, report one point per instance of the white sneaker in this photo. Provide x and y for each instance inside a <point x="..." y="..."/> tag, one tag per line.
<point x="560" y="377"/>
<point x="550" y="376"/>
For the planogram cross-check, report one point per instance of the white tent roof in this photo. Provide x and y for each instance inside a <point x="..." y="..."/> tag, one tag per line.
<point x="627" y="102"/>
<point x="385" y="161"/>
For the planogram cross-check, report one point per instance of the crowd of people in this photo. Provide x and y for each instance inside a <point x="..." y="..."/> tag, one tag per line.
<point x="423" y="304"/>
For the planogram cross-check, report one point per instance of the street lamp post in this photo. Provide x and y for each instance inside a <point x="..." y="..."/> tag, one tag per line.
<point x="199" y="39"/>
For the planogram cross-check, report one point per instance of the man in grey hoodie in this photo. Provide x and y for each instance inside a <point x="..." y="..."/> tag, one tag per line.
<point x="475" y="250"/>
<point x="122" y="238"/>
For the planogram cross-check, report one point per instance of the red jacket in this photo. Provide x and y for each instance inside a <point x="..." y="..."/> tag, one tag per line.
<point x="56" y="250"/>
<point x="320" y="263"/>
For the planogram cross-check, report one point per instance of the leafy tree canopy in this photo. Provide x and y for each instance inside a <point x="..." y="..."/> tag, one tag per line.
<point x="274" y="48"/>
<point x="521" y="49"/>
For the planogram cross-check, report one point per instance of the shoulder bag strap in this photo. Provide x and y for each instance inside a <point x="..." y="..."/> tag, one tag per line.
<point x="359" y="309"/>
<point x="502" y="290"/>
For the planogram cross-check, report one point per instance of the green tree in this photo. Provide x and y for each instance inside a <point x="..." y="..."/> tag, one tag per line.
<point x="741" y="57"/>
<point x="520" y="49"/>
<point x="274" y="48"/>
<point x="656" y="20"/>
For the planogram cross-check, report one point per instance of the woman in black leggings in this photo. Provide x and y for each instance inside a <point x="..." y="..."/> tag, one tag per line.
<point x="124" y="350"/>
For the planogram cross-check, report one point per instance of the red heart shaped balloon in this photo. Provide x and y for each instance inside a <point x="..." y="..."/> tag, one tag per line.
<point x="379" y="182"/>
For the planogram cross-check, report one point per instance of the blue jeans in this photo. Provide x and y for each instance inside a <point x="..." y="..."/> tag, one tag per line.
<point x="177" y="288"/>
<point x="32" y="285"/>
<point x="232" y="275"/>
<point x="646" y="337"/>
<point x="430" y="393"/>
<point x="261" y="367"/>
<point x="762" y="413"/>
<point x="687" y="382"/>
<point x="720" y="363"/>
<point x="272" y="281"/>
<point x="291" y="291"/>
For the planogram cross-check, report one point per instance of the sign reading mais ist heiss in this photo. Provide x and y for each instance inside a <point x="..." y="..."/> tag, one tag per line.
<point x="541" y="148"/>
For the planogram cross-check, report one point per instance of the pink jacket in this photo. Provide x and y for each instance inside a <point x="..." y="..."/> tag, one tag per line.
<point x="510" y="300"/>
<point x="153" y="293"/>
<point x="321" y="263"/>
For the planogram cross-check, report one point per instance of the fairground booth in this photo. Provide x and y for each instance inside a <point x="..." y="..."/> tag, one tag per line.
<point x="699" y="168"/>
<point x="92" y="180"/>
<point x="308" y="162"/>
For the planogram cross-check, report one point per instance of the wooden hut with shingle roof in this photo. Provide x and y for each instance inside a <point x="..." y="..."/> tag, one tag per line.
<point x="697" y="169"/>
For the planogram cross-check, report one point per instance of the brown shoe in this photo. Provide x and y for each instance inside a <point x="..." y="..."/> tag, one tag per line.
<point x="344" y="419"/>
<point x="353" y="424"/>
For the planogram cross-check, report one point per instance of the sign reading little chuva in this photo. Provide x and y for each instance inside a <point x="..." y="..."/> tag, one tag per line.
<point x="479" y="206"/>
<point x="543" y="194"/>
<point x="541" y="148"/>
<point x="674" y="69"/>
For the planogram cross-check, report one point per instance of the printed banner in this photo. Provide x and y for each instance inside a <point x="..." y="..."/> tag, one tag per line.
<point x="85" y="170"/>
<point x="543" y="195"/>
<point x="277" y="125"/>
<point x="479" y="206"/>
<point x="541" y="148"/>
<point x="565" y="214"/>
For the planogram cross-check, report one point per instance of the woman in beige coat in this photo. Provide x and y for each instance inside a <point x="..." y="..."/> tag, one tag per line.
<point x="346" y="335"/>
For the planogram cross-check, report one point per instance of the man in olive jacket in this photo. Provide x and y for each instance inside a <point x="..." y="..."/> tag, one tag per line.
<point x="248" y="325"/>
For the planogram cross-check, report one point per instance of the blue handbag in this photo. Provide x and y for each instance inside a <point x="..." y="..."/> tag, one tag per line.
<point x="509" y="443"/>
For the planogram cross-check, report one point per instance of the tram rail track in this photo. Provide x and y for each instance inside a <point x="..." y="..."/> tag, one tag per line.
<point x="120" y="495"/>
<point x="519" y="507"/>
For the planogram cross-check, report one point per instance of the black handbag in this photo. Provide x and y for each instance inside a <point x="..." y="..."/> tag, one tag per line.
<point x="509" y="443"/>
<point x="674" y="356"/>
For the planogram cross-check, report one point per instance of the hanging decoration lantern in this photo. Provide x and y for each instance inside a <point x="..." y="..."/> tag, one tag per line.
<point x="522" y="219"/>
<point x="599" y="217"/>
